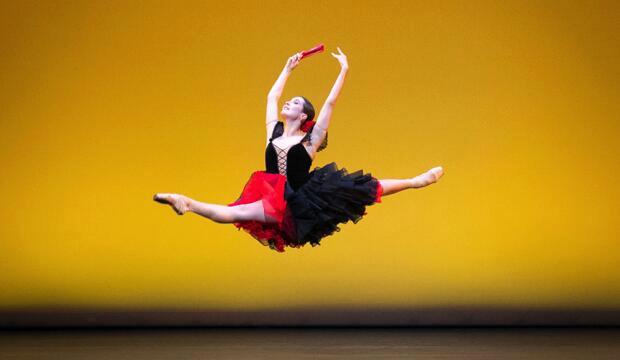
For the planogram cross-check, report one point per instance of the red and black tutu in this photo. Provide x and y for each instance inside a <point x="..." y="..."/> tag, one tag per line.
<point x="330" y="197"/>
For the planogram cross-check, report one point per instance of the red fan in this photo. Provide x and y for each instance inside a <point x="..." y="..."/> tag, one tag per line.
<point x="312" y="51"/>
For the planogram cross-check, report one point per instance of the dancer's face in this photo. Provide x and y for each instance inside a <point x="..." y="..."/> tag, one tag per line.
<point x="293" y="108"/>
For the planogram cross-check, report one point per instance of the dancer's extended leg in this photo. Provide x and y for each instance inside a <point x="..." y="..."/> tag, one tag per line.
<point x="218" y="213"/>
<point x="392" y="186"/>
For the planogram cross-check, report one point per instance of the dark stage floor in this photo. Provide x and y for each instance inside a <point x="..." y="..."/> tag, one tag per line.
<point x="305" y="343"/>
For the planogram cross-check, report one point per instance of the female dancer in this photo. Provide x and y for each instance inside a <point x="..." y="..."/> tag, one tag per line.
<point x="287" y="204"/>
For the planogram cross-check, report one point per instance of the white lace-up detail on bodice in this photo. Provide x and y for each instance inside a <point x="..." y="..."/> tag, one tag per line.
<point x="282" y="153"/>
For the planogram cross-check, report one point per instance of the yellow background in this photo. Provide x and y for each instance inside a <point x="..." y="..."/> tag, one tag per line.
<point x="104" y="104"/>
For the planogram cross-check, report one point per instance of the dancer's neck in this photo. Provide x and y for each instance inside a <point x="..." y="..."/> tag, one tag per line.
<point x="291" y="129"/>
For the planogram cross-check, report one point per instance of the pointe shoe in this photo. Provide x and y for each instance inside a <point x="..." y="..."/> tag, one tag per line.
<point x="429" y="177"/>
<point x="437" y="172"/>
<point x="178" y="203"/>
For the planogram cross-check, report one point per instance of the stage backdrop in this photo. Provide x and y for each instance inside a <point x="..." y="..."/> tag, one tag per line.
<point x="103" y="104"/>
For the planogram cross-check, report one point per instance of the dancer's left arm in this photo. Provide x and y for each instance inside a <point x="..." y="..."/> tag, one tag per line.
<point x="322" y="123"/>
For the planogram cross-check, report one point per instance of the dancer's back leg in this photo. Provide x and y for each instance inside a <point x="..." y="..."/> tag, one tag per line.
<point x="392" y="186"/>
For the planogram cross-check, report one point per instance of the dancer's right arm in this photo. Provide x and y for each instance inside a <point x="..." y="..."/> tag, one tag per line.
<point x="276" y="92"/>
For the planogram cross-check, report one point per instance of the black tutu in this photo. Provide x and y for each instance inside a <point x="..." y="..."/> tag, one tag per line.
<point x="330" y="197"/>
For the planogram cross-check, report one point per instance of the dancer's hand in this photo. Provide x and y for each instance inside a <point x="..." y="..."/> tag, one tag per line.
<point x="342" y="58"/>
<point x="292" y="62"/>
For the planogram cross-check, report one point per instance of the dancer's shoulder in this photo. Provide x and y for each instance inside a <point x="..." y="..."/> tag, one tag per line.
<point x="278" y="130"/>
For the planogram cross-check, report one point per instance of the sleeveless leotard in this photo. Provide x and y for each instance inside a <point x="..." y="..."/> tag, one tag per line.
<point x="294" y="164"/>
<point x="308" y="205"/>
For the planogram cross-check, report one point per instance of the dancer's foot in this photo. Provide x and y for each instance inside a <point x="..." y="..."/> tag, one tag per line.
<point x="179" y="203"/>
<point x="429" y="177"/>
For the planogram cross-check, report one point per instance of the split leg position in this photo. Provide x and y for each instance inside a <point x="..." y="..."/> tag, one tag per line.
<point x="254" y="211"/>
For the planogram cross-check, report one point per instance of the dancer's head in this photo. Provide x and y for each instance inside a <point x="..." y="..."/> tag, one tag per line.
<point x="298" y="108"/>
<point x="301" y="109"/>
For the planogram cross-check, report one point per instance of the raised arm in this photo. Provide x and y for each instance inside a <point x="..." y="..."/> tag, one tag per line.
<point x="322" y="123"/>
<point x="276" y="92"/>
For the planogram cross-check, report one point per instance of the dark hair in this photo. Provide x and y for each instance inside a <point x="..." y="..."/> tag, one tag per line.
<point x="308" y="109"/>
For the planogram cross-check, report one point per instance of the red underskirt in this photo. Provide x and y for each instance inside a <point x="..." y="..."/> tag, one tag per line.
<point x="270" y="189"/>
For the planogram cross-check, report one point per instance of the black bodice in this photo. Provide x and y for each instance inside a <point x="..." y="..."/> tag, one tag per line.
<point x="294" y="163"/>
